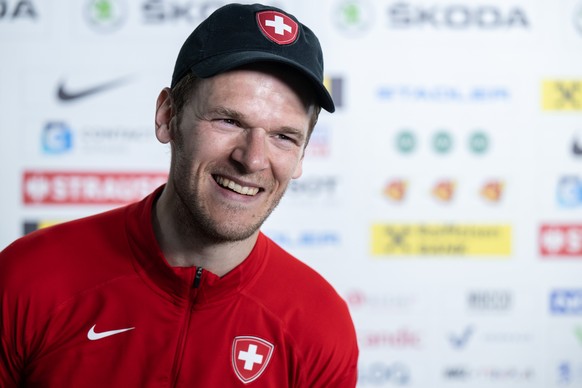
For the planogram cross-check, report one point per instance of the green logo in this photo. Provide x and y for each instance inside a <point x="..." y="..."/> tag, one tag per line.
<point x="353" y="16"/>
<point x="106" y="15"/>
<point x="479" y="142"/>
<point x="442" y="142"/>
<point x="405" y="142"/>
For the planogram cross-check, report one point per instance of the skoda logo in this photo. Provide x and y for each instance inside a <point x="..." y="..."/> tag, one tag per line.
<point x="353" y="17"/>
<point x="106" y="15"/>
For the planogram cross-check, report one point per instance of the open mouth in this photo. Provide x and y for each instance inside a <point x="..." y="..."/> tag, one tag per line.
<point x="244" y="190"/>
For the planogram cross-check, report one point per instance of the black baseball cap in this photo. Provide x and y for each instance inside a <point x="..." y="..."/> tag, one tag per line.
<point x="236" y="35"/>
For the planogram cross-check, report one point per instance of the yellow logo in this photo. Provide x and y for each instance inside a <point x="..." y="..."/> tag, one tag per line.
<point x="441" y="240"/>
<point x="492" y="191"/>
<point x="396" y="190"/>
<point x="444" y="190"/>
<point x="562" y="95"/>
<point x="31" y="226"/>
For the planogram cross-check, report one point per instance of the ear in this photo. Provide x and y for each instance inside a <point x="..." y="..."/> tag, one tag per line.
<point x="299" y="168"/>
<point x="163" y="116"/>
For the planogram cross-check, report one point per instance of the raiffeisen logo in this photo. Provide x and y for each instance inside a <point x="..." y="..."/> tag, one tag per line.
<point x="449" y="94"/>
<point x="561" y="95"/>
<point x="456" y="17"/>
<point x="396" y="240"/>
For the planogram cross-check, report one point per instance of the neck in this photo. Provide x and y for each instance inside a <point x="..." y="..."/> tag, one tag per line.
<point x="185" y="246"/>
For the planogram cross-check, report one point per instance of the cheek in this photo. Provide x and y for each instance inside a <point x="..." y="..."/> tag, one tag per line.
<point x="197" y="145"/>
<point x="287" y="167"/>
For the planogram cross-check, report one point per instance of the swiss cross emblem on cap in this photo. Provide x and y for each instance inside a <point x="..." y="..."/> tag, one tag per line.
<point x="278" y="27"/>
<point x="250" y="357"/>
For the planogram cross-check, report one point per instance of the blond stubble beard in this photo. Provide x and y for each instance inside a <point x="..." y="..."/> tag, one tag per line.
<point x="194" y="218"/>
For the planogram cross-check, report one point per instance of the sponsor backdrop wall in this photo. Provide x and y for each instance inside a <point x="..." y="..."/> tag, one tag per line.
<point x="443" y="199"/>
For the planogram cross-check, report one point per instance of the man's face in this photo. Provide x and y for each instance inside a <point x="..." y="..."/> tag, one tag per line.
<point x="239" y="141"/>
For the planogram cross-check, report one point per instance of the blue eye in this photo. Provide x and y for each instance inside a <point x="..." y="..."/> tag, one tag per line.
<point x="230" y="122"/>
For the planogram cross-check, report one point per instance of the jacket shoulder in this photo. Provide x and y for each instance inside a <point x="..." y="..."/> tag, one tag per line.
<point x="314" y="316"/>
<point x="60" y="254"/>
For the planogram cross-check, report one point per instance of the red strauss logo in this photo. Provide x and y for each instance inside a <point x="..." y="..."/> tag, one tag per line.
<point x="278" y="27"/>
<point x="87" y="188"/>
<point x="250" y="356"/>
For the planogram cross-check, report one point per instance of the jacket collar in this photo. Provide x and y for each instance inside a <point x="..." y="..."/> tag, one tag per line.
<point x="177" y="283"/>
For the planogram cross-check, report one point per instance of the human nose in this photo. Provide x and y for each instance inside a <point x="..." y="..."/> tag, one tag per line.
<point x="251" y="152"/>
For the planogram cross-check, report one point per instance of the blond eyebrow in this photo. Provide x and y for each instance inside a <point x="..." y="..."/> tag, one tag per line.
<point x="223" y="111"/>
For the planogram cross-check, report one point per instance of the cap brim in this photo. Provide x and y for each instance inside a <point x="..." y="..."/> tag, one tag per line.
<point x="228" y="61"/>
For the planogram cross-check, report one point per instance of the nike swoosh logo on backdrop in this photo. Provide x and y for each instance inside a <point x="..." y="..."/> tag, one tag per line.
<point x="93" y="336"/>
<point x="64" y="94"/>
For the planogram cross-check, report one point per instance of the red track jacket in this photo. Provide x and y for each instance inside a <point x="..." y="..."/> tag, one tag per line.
<point x="93" y="303"/>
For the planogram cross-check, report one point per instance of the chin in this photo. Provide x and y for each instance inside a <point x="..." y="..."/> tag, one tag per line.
<point x="230" y="235"/>
<point x="221" y="232"/>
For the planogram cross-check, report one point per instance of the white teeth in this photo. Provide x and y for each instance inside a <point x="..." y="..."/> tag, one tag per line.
<point x="236" y="187"/>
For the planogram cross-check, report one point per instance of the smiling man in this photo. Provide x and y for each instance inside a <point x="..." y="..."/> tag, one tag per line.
<point x="182" y="289"/>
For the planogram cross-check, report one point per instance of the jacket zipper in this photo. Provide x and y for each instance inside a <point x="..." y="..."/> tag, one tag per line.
<point x="184" y="330"/>
<point x="198" y="277"/>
